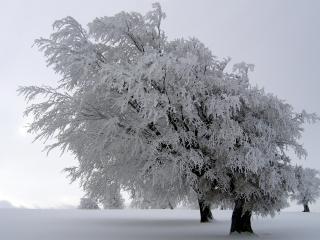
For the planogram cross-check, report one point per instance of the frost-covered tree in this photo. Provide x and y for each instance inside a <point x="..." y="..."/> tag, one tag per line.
<point x="113" y="198"/>
<point x="308" y="188"/>
<point x="88" y="203"/>
<point x="106" y="191"/>
<point x="134" y="107"/>
<point x="153" y="197"/>
<point x="261" y="177"/>
<point x="159" y="195"/>
<point x="122" y="89"/>
<point x="253" y="172"/>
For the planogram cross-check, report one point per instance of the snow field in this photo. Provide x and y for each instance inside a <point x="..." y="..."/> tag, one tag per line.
<point x="179" y="224"/>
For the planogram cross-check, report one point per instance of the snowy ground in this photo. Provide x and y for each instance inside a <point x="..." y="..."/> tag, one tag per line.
<point x="23" y="224"/>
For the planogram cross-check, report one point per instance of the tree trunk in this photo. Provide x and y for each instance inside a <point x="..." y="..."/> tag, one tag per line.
<point x="241" y="221"/>
<point x="205" y="211"/>
<point x="306" y="208"/>
<point x="170" y="205"/>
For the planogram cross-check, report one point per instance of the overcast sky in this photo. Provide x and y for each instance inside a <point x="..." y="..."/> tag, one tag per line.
<point x="282" y="39"/>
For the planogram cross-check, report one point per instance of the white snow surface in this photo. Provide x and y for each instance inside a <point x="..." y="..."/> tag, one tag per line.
<point x="179" y="224"/>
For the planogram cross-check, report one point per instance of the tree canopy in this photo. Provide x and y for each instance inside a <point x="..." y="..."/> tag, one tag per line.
<point x="139" y="110"/>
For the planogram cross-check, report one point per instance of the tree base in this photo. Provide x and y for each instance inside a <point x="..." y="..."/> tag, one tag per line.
<point x="306" y="208"/>
<point x="206" y="219"/>
<point x="241" y="221"/>
<point x="205" y="212"/>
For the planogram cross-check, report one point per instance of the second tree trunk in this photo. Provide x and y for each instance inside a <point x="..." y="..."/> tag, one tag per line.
<point x="205" y="211"/>
<point x="306" y="208"/>
<point x="241" y="219"/>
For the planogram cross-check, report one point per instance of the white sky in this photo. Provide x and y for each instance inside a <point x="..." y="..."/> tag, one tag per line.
<point x="280" y="37"/>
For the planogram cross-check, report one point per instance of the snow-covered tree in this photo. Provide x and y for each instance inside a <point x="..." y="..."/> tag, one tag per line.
<point x="308" y="188"/>
<point x="88" y="203"/>
<point x="155" y="198"/>
<point x="134" y="107"/>
<point x="261" y="176"/>
<point x="106" y="191"/>
<point x="118" y="91"/>
<point x="113" y="198"/>
<point x="159" y="195"/>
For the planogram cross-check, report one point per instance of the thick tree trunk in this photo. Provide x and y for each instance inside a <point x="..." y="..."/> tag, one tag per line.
<point x="306" y="208"/>
<point x="241" y="221"/>
<point x="205" y="211"/>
